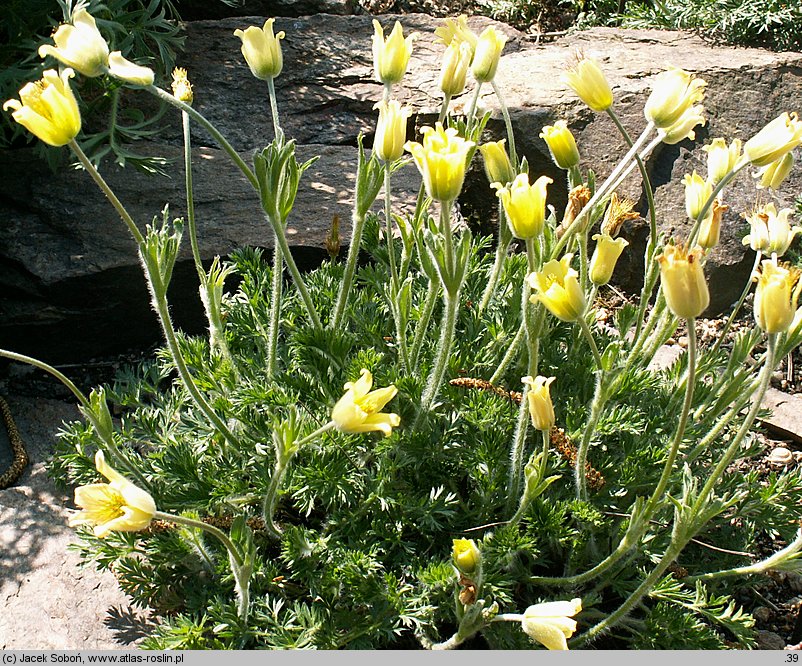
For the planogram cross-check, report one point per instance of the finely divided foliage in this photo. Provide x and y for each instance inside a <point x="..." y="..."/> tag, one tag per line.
<point x="595" y="501"/>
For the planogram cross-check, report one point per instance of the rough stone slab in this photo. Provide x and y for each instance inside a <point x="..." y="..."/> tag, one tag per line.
<point x="47" y="600"/>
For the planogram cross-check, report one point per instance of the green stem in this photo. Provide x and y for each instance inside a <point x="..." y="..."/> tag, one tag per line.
<point x="276" y="287"/>
<point x="737" y="308"/>
<point x="357" y="225"/>
<point x="505" y="112"/>
<point x="281" y="239"/>
<point x="583" y="326"/>
<point x="596" y="408"/>
<point x="511" y="353"/>
<point x="444" y="108"/>
<point x="395" y="287"/>
<point x="502" y="245"/>
<point x="517" y="453"/>
<point x="90" y="168"/>
<point x="271" y="91"/>
<point x="224" y="144"/>
<point x="472" y="108"/>
<point x="448" y="325"/>
<point x="423" y="324"/>
<point x="193" y="230"/>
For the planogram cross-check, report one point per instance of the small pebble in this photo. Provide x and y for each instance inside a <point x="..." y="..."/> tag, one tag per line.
<point x="768" y="640"/>
<point x="795" y="583"/>
<point x="781" y="456"/>
<point x="762" y="614"/>
<point x="683" y="342"/>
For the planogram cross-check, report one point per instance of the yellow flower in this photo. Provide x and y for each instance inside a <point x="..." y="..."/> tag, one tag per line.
<point x="683" y="279"/>
<point x="541" y="409"/>
<point x="262" y="50"/>
<point x="588" y="81"/>
<point x="779" y="137"/>
<point x="770" y="231"/>
<point x="441" y="161"/>
<point x="466" y="555"/>
<point x="684" y="127"/>
<point x="697" y="192"/>
<point x="119" y="506"/>
<point x="525" y="204"/>
<point x="359" y="409"/>
<point x="710" y="228"/>
<point x="775" y="296"/>
<point x="456" y="61"/>
<point x="391" y="56"/>
<point x="775" y="173"/>
<point x="79" y="45"/>
<point x="605" y="256"/>
<point x="557" y="287"/>
<point x="182" y="88"/>
<point x="128" y="71"/>
<point x="550" y="623"/>
<point x="498" y="167"/>
<point x="48" y="109"/>
<point x="721" y="159"/>
<point x="457" y="31"/>
<point x="562" y="144"/>
<point x="674" y="92"/>
<point x="487" y="54"/>
<point x="391" y="130"/>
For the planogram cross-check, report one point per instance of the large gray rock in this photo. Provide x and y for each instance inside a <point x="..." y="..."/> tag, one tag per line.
<point x="69" y="273"/>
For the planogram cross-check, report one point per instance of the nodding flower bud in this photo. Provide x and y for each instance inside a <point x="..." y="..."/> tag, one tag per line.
<point x="128" y="71"/>
<point x="550" y="623"/>
<point x="710" y="228"/>
<point x="498" y="167"/>
<point x="79" y="45"/>
<point x="770" y="231"/>
<point x="605" y="257"/>
<point x="773" y="175"/>
<point x="456" y="61"/>
<point x="262" y="50"/>
<point x="683" y="279"/>
<point x="673" y="93"/>
<point x="587" y="80"/>
<point x="391" y="55"/>
<point x="683" y="128"/>
<point x="721" y="159"/>
<point x="487" y="54"/>
<point x="467" y="557"/>
<point x="525" y="205"/>
<point x="779" y="137"/>
<point x="541" y="409"/>
<point x="391" y="130"/>
<point x="776" y="296"/>
<point x="562" y="145"/>
<point x="697" y="192"/>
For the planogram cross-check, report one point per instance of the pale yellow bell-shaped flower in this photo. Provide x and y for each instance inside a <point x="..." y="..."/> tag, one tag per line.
<point x="587" y="80"/>
<point x="673" y="93"/>
<point x="721" y="158"/>
<point x="117" y="506"/>
<point x="770" y="231"/>
<point x="359" y="410"/>
<point x="79" y="45"/>
<point x="47" y="108"/>
<point x="525" y="205"/>
<point x="684" y="127"/>
<point x="538" y="394"/>
<point x="779" y="137"/>
<point x="130" y="72"/>
<point x="773" y="175"/>
<point x="182" y="88"/>
<point x="557" y="287"/>
<point x="697" y="192"/>
<point x="457" y="30"/>
<point x="550" y="623"/>
<point x="605" y="256"/>
<point x="776" y="296"/>
<point x="441" y="160"/>
<point x="487" y="54"/>
<point x="562" y="145"/>
<point x="391" y="56"/>
<point x="456" y="62"/>
<point x="683" y="279"/>
<point x="262" y="50"/>
<point x="391" y="130"/>
<point x="498" y="167"/>
<point x="466" y="556"/>
<point x="710" y="228"/>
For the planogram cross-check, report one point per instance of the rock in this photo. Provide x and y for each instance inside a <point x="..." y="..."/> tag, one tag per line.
<point x="761" y="614"/>
<point x="191" y="10"/>
<point x="780" y="457"/>
<point x="47" y="600"/>
<point x="768" y="640"/>
<point x="68" y="275"/>
<point x="786" y="414"/>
